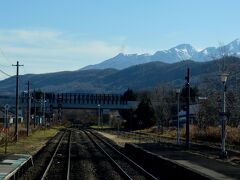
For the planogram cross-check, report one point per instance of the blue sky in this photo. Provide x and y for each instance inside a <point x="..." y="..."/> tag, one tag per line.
<point x="57" y="35"/>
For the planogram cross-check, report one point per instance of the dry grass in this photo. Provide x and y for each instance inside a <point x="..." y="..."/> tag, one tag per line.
<point x="119" y="140"/>
<point x="210" y="134"/>
<point x="233" y="135"/>
<point x="213" y="134"/>
<point x="31" y="144"/>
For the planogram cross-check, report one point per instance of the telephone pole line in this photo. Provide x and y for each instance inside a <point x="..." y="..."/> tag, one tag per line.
<point x="17" y="97"/>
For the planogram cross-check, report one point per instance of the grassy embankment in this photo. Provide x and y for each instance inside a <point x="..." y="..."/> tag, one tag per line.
<point x="31" y="144"/>
<point x="210" y="134"/>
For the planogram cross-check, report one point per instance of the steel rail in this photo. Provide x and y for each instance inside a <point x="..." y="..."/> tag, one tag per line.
<point x="120" y="170"/>
<point x="69" y="156"/>
<point x="51" y="161"/>
<point x="146" y="173"/>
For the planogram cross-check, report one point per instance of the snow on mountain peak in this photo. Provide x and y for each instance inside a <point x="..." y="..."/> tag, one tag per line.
<point x="175" y="54"/>
<point x="185" y="46"/>
<point x="237" y="41"/>
<point x="234" y="46"/>
<point x="184" y="51"/>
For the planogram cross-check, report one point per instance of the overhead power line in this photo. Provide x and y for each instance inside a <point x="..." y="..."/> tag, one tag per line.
<point x="4" y="55"/>
<point x="5" y="73"/>
<point x="7" y="60"/>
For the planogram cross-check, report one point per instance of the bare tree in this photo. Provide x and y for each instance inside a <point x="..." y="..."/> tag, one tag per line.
<point x="162" y="101"/>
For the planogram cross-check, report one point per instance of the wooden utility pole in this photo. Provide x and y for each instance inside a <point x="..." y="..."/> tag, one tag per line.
<point x="17" y="98"/>
<point x="29" y="108"/>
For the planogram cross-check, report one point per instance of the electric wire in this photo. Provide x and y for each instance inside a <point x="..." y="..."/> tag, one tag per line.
<point x="5" y="57"/>
<point x="5" y="73"/>
<point x="7" y="60"/>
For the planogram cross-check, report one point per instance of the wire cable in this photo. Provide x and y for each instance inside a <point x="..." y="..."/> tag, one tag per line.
<point x="4" y="55"/>
<point x="7" y="60"/>
<point x="5" y="73"/>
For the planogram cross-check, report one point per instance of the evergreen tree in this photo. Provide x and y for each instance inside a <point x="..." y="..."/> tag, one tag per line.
<point x="128" y="114"/>
<point x="145" y="113"/>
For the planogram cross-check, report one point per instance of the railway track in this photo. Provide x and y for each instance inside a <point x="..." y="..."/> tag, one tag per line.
<point x="127" y="168"/>
<point x="41" y="158"/>
<point x="74" y="157"/>
<point x="59" y="165"/>
<point x="88" y="155"/>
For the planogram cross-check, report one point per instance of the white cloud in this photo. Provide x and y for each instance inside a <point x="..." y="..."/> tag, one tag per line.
<point x="52" y="45"/>
<point x="26" y="38"/>
<point x="47" y="50"/>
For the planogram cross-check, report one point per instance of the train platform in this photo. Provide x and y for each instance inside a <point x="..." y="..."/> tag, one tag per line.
<point x="13" y="165"/>
<point x="206" y="162"/>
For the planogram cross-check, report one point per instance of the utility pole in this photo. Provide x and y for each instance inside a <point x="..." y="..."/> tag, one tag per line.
<point x="17" y="91"/>
<point x="44" y="120"/>
<point x="99" y="115"/>
<point x="6" y="127"/>
<point x="187" y="108"/>
<point x="29" y="108"/>
<point x="35" y="108"/>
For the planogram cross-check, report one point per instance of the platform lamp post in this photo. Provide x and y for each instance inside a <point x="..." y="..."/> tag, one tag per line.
<point x="223" y="78"/>
<point x="178" y="97"/>
<point x="187" y="86"/>
<point x="99" y="115"/>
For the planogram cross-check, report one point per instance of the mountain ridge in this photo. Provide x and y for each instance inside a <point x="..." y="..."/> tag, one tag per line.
<point x="138" y="77"/>
<point x="172" y="55"/>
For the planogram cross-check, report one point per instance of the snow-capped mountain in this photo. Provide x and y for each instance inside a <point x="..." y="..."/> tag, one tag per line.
<point x="178" y="53"/>
<point x="175" y="54"/>
<point x="122" y="61"/>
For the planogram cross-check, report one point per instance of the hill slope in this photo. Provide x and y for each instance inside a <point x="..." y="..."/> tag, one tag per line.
<point x="139" y="77"/>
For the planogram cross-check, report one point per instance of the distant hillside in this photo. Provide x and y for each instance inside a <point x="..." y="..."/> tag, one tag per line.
<point x="173" y="55"/>
<point x="139" y="77"/>
<point x="66" y="81"/>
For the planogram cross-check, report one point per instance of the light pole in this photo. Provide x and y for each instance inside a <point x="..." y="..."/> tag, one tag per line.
<point x="223" y="78"/>
<point x="187" y="85"/>
<point x="99" y="116"/>
<point x="178" y="95"/>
